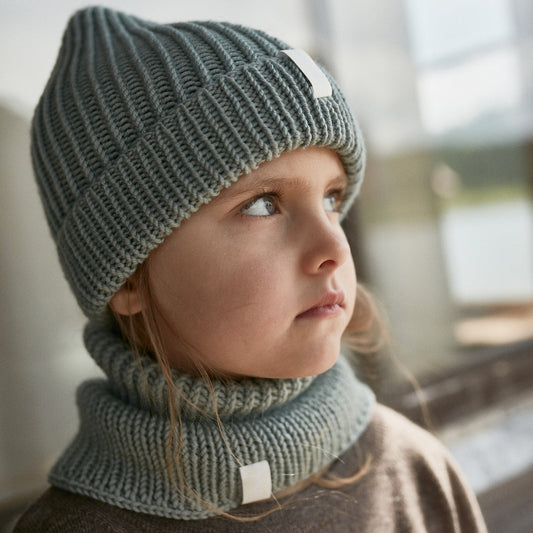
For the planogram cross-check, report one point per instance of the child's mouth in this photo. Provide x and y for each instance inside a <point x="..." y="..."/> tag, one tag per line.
<point x="331" y="304"/>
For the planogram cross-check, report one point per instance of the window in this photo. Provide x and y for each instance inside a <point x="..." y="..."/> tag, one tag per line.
<point x="444" y="95"/>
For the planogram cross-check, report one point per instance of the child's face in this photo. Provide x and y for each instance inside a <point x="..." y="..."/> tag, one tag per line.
<point x="260" y="281"/>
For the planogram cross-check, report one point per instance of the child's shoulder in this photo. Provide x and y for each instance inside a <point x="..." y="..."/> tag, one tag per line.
<point x="404" y="449"/>
<point x="57" y="510"/>
<point x="60" y="511"/>
<point x="397" y="434"/>
<point x="416" y="477"/>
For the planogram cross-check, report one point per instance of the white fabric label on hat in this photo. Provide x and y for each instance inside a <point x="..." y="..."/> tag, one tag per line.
<point x="256" y="482"/>
<point x="318" y="80"/>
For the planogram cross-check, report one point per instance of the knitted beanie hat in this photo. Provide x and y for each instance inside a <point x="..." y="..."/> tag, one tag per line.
<point x="141" y="124"/>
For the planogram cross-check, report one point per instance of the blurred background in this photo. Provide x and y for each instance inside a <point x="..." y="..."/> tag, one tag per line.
<point x="442" y="232"/>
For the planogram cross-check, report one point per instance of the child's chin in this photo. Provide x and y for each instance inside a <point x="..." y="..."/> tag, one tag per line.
<point x="315" y="368"/>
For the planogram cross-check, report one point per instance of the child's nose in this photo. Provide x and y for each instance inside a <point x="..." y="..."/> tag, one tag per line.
<point x="326" y="246"/>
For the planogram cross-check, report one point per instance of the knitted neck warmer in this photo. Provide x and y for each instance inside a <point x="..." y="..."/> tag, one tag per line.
<point x="119" y="455"/>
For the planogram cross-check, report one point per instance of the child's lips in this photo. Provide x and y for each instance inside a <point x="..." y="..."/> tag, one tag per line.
<point x="331" y="304"/>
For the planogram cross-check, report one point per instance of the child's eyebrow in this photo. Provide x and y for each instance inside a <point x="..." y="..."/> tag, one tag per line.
<point x="245" y="187"/>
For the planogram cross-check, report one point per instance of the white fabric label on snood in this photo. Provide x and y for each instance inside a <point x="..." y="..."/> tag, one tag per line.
<point x="256" y="482"/>
<point x="317" y="79"/>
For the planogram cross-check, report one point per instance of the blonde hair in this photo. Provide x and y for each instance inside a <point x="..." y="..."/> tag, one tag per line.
<point x="364" y="335"/>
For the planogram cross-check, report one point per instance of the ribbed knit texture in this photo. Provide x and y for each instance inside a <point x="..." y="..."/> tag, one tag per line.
<point x="119" y="455"/>
<point x="142" y="123"/>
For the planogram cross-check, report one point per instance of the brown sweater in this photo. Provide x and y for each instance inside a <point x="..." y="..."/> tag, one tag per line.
<point x="413" y="486"/>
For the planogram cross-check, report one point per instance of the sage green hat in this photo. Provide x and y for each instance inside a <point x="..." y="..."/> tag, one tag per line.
<point x="141" y="124"/>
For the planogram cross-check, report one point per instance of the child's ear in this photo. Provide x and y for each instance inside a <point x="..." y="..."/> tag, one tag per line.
<point x="126" y="300"/>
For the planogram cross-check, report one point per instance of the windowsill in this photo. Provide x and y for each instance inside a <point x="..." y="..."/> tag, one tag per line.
<point x="488" y="377"/>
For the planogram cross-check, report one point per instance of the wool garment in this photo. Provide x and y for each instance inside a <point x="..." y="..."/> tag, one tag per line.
<point x="412" y="486"/>
<point x="140" y="124"/>
<point x="120" y="454"/>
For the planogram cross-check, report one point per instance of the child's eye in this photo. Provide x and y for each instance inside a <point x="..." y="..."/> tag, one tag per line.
<point x="332" y="202"/>
<point x="260" y="207"/>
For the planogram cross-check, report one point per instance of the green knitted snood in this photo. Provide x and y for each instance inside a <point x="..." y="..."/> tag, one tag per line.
<point x="119" y="455"/>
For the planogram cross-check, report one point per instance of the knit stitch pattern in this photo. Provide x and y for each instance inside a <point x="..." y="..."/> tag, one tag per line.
<point x="119" y="454"/>
<point x="141" y="124"/>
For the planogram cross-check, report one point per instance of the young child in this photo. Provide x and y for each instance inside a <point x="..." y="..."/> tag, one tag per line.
<point x="194" y="176"/>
